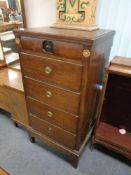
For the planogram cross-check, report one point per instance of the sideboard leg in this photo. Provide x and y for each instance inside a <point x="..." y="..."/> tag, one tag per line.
<point x="75" y="161"/>
<point x="92" y="146"/>
<point x="15" y="124"/>
<point x="32" y="139"/>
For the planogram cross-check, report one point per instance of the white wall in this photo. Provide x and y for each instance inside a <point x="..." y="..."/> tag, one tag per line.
<point x="110" y="15"/>
<point x="40" y="12"/>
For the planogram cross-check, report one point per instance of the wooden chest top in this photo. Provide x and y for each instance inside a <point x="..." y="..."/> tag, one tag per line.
<point x="66" y="33"/>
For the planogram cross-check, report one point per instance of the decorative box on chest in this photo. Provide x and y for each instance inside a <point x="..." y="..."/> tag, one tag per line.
<point x="113" y="129"/>
<point x="61" y="70"/>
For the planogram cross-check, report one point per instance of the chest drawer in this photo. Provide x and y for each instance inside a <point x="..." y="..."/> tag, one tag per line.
<point x="53" y="132"/>
<point x="53" y="96"/>
<point x="53" y="71"/>
<point x="56" y="47"/>
<point x="62" y="119"/>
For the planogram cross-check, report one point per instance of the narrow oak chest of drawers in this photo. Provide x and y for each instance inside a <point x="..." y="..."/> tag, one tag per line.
<point x="61" y="72"/>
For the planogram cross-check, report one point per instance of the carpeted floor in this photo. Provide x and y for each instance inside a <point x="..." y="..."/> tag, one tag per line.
<point x="20" y="157"/>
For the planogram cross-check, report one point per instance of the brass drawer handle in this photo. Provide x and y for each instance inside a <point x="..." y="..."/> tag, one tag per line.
<point x="49" y="94"/>
<point x="47" y="70"/>
<point x="86" y="53"/>
<point x="49" y="130"/>
<point x="50" y="114"/>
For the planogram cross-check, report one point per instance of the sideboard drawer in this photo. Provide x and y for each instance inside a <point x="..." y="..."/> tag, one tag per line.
<point x="53" y="71"/>
<point x="53" y="96"/>
<point x="59" y="48"/>
<point x="62" y="119"/>
<point x="4" y="99"/>
<point x="53" y="132"/>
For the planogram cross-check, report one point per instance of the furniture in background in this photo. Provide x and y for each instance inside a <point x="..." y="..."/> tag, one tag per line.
<point x="3" y="172"/>
<point x="12" y="97"/>
<point x="61" y="69"/>
<point x="13" y="17"/>
<point x="113" y="128"/>
<point x="8" y="46"/>
<point x="3" y="4"/>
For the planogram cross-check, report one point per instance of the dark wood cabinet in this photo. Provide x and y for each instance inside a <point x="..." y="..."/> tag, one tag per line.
<point x="113" y="128"/>
<point x="61" y="70"/>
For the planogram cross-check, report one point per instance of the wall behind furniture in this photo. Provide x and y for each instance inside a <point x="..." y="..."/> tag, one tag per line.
<point x="116" y="15"/>
<point x="113" y="14"/>
<point x="40" y="12"/>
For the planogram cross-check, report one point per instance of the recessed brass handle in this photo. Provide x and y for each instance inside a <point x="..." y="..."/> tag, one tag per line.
<point x="50" y="114"/>
<point x="47" y="70"/>
<point x="49" y="94"/>
<point x="86" y="53"/>
<point x="48" y="46"/>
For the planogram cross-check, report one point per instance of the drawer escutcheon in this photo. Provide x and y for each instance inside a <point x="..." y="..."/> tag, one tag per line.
<point x="47" y="70"/>
<point x="86" y="53"/>
<point x="50" y="114"/>
<point x="49" y="94"/>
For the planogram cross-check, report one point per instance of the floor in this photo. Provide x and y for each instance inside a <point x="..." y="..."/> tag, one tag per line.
<point x="19" y="156"/>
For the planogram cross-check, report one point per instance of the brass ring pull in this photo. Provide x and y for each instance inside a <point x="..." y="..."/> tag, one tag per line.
<point x="86" y="53"/>
<point x="49" y="94"/>
<point x="49" y="114"/>
<point x="47" y="70"/>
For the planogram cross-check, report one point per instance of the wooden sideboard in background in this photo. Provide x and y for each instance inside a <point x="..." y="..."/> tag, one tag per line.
<point x="12" y="97"/>
<point x="113" y="128"/>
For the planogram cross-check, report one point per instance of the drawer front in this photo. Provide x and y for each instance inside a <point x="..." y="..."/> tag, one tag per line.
<point x="53" y="132"/>
<point x="53" y="96"/>
<point x="52" y="71"/>
<point x="64" y="120"/>
<point x="58" y="48"/>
